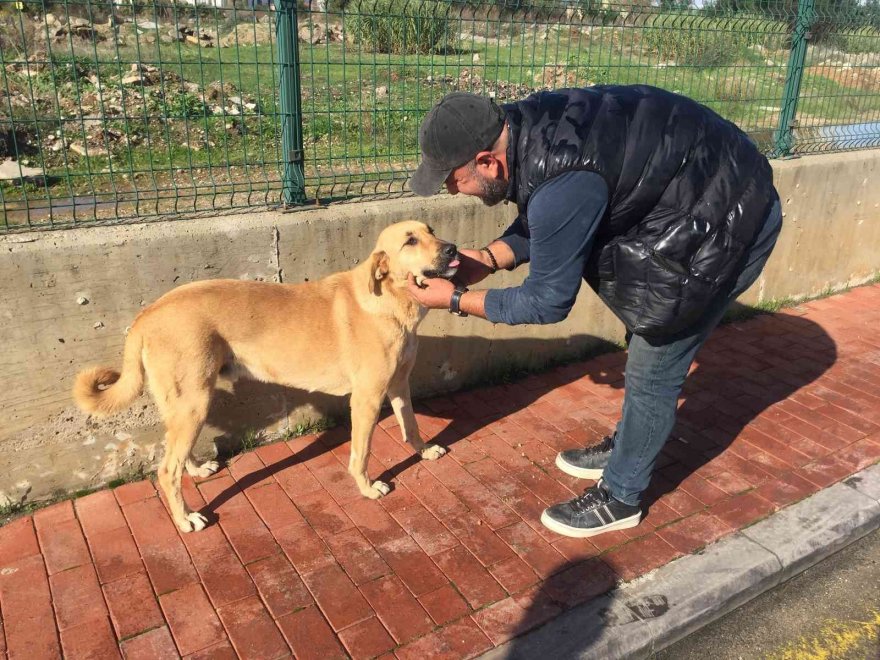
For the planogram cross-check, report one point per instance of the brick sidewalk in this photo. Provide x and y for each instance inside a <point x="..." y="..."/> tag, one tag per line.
<point x="454" y="561"/>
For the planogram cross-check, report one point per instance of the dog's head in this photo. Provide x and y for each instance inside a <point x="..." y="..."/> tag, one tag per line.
<point x="410" y="248"/>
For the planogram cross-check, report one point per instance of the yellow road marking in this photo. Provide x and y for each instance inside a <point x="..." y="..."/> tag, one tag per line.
<point x="834" y="640"/>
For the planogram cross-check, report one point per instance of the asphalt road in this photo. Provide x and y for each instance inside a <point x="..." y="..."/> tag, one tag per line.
<point x="829" y="612"/>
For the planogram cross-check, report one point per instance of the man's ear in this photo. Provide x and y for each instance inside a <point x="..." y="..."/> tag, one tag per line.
<point x="487" y="164"/>
<point x="378" y="272"/>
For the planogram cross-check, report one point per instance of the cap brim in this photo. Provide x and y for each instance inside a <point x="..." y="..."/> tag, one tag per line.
<point x="428" y="178"/>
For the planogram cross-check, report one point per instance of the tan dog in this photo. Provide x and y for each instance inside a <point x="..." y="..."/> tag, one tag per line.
<point x="350" y="333"/>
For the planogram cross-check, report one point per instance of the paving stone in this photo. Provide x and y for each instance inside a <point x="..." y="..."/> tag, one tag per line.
<point x="397" y="609"/>
<point x="252" y="631"/>
<point x="192" y="620"/>
<point x="133" y="606"/>
<point x="156" y="643"/>
<point x="310" y="636"/>
<point x="366" y="639"/>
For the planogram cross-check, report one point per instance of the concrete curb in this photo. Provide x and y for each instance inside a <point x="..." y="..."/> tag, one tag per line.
<point x="652" y="612"/>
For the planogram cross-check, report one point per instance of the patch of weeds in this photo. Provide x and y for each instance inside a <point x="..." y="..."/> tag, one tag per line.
<point x="860" y="40"/>
<point x="738" y="312"/>
<point x="185" y="105"/>
<point x="695" y="40"/>
<point x="71" y="68"/>
<point x="250" y="439"/>
<point x="308" y="427"/>
<point x="11" y="509"/>
<point x="135" y="474"/>
<point x="395" y="26"/>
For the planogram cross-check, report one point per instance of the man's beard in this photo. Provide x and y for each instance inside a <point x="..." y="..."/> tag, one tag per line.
<point x="492" y="191"/>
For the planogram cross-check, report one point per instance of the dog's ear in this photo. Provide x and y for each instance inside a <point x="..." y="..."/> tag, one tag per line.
<point x="378" y="272"/>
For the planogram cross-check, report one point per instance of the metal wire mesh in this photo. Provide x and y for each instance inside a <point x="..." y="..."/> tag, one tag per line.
<point x="114" y="112"/>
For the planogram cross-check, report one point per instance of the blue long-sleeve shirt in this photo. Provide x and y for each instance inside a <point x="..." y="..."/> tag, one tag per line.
<point x="556" y="237"/>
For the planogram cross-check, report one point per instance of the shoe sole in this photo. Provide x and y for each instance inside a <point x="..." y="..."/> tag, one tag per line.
<point x="580" y="533"/>
<point x="573" y="470"/>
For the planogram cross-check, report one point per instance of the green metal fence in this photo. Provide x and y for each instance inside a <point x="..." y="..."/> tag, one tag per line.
<point x="115" y="112"/>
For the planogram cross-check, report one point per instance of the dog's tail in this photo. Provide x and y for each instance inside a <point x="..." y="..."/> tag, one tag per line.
<point x="102" y="390"/>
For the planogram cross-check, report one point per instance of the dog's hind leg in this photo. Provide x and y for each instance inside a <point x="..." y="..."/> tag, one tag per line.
<point x="184" y="418"/>
<point x="182" y="371"/>
<point x="401" y="404"/>
<point x="364" y="413"/>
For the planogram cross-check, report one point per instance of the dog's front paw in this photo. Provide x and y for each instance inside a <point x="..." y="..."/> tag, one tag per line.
<point x="194" y="522"/>
<point x="377" y="490"/>
<point x="433" y="452"/>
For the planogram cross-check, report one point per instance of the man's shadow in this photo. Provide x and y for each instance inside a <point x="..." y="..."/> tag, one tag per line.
<point x="744" y="369"/>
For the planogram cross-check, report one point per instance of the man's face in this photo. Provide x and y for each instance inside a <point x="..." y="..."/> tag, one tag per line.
<point x="469" y="180"/>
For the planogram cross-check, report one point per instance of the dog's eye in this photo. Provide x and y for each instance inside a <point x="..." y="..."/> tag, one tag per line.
<point x="412" y="240"/>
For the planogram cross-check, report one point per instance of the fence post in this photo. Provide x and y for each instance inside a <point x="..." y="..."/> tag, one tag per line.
<point x="784" y="138"/>
<point x="287" y="29"/>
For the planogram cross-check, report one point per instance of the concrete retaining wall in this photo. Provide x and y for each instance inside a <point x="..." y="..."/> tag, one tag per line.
<point x="66" y="298"/>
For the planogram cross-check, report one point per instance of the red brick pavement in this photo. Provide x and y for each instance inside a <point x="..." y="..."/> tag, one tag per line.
<point x="454" y="560"/>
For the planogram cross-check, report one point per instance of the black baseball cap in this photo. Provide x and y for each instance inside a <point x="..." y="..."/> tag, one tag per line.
<point x="455" y="130"/>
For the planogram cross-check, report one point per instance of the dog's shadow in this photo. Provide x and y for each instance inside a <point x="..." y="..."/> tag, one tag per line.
<point x="254" y="405"/>
<point x="239" y="410"/>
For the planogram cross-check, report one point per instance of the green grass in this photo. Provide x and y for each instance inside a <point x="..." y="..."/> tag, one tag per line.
<point x="739" y="312"/>
<point x="11" y="510"/>
<point x="361" y="108"/>
<point x="308" y="427"/>
<point x="251" y="439"/>
<point x="134" y="474"/>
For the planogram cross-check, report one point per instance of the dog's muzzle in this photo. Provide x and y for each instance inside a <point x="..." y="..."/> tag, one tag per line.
<point x="447" y="263"/>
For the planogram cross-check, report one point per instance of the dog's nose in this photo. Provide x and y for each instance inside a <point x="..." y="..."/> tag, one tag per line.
<point x="449" y="250"/>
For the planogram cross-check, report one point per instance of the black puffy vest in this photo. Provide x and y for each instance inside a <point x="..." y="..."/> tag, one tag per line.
<point x="688" y="193"/>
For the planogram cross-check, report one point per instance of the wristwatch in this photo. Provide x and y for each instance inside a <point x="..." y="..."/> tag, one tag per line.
<point x="455" y="303"/>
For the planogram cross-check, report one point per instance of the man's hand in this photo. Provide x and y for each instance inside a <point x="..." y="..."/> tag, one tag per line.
<point x="474" y="267"/>
<point x="435" y="294"/>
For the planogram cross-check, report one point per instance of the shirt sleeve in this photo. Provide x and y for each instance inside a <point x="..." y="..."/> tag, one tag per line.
<point x="516" y="237"/>
<point x="562" y="217"/>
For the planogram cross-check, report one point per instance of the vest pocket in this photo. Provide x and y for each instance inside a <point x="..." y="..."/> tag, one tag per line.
<point x="652" y="295"/>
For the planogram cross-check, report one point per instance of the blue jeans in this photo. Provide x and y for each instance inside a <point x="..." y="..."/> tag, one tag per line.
<point x="655" y="374"/>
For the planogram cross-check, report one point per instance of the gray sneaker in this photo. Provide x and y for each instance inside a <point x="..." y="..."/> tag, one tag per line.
<point x="592" y="513"/>
<point x="586" y="463"/>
